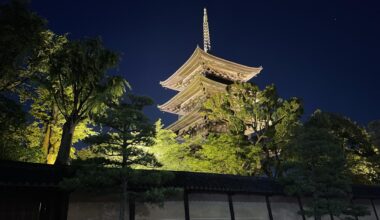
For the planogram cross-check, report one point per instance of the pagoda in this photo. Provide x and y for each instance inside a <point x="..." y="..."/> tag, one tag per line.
<point x="200" y="77"/>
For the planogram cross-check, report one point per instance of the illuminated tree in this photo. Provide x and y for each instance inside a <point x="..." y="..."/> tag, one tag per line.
<point x="21" y="33"/>
<point x="79" y="85"/>
<point x="216" y="153"/>
<point x="46" y="130"/>
<point x="125" y="132"/>
<point x="167" y="149"/>
<point x="268" y="120"/>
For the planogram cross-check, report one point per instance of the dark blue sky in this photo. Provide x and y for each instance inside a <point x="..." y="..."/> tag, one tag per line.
<point x="325" y="52"/>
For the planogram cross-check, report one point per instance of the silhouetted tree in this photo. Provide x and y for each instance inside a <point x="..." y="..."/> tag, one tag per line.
<point x="21" y="31"/>
<point x="316" y="167"/>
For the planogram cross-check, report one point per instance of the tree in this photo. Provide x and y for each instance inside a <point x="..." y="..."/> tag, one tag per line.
<point x="230" y="154"/>
<point x="21" y="31"/>
<point x="173" y="152"/>
<point x="316" y="167"/>
<point x="125" y="132"/>
<point x="215" y="153"/>
<point x="14" y="144"/>
<point x="46" y="129"/>
<point x="355" y="142"/>
<point x="373" y="129"/>
<point x="268" y="120"/>
<point x="167" y="149"/>
<point x="24" y="41"/>
<point x="79" y="85"/>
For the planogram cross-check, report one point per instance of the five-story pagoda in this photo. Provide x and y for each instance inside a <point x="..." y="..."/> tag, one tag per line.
<point x="200" y="77"/>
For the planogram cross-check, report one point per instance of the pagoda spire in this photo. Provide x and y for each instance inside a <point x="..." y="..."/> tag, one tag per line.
<point x="206" y="32"/>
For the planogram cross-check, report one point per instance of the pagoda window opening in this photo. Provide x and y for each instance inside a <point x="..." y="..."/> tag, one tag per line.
<point x="218" y="78"/>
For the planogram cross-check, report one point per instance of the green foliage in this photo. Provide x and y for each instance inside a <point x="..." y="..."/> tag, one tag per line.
<point x="77" y="78"/>
<point x="373" y="129"/>
<point x="352" y="137"/>
<point x="217" y="153"/>
<point x="173" y="152"/>
<point x="79" y="85"/>
<point x="167" y="149"/>
<point x="316" y="166"/>
<point x="46" y="130"/>
<point x="355" y="142"/>
<point x="225" y="153"/>
<point x="268" y="120"/>
<point x="14" y="144"/>
<point x="20" y="33"/>
<point x="125" y="133"/>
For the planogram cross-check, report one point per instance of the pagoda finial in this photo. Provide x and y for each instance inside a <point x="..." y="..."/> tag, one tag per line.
<point x="206" y="32"/>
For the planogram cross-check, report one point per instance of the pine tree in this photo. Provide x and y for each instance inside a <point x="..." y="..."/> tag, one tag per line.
<point x="120" y="144"/>
<point x="316" y="167"/>
<point x="357" y="148"/>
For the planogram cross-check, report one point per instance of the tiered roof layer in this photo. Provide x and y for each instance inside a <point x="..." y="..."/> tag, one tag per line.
<point x="194" y="84"/>
<point x="201" y="62"/>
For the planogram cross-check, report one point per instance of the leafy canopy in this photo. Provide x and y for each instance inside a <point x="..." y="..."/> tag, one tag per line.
<point x="125" y="132"/>
<point x="316" y="167"/>
<point x="262" y="115"/>
<point x="361" y="154"/>
<point x="78" y="82"/>
<point x="21" y="32"/>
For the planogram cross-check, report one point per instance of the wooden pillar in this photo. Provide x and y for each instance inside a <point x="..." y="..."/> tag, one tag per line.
<point x="132" y="208"/>
<point x="186" y="204"/>
<point x="231" y="205"/>
<point x="301" y="207"/>
<point x="374" y="209"/>
<point x="269" y="208"/>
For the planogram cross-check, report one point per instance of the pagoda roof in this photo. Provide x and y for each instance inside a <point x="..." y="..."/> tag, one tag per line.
<point x="200" y="86"/>
<point x="201" y="62"/>
<point x="188" y="121"/>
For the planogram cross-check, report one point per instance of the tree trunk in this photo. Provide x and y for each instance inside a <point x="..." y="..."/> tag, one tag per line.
<point x="54" y="143"/>
<point x="46" y="140"/>
<point x="267" y="163"/>
<point x="124" y="197"/>
<point x="53" y="151"/>
<point x="66" y="143"/>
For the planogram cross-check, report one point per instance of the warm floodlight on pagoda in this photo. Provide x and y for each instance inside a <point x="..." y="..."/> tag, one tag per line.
<point x="201" y="76"/>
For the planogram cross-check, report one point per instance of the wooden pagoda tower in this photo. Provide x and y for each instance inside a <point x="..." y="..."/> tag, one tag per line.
<point x="201" y="76"/>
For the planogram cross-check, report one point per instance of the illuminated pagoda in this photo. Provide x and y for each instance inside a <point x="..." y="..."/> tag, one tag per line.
<point x="201" y="76"/>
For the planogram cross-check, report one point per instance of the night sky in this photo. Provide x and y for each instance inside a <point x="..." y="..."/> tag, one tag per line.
<point x="325" y="52"/>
